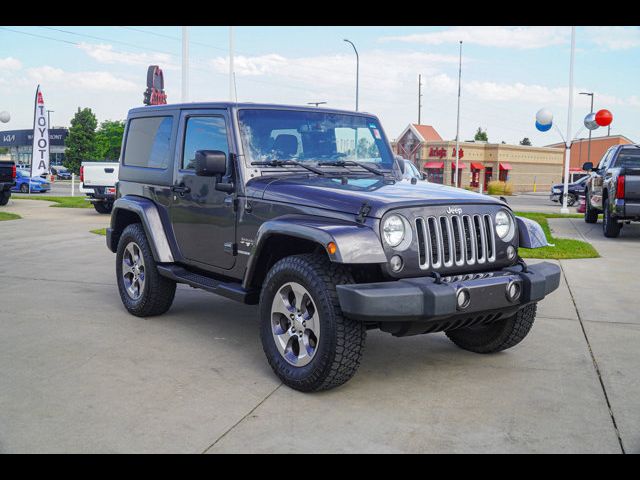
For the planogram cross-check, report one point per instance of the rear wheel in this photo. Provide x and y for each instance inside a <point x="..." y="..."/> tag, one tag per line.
<point x="308" y="342"/>
<point x="610" y="225"/>
<point x="590" y="214"/>
<point x="571" y="199"/>
<point x="4" y="198"/>
<point x="496" y="336"/>
<point x="103" y="207"/>
<point x="144" y="292"/>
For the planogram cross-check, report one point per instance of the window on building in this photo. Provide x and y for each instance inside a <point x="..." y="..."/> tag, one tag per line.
<point x="148" y="141"/>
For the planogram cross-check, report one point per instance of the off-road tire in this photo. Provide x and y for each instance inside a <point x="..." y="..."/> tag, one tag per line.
<point x="158" y="292"/>
<point x="496" y="336"/>
<point x="342" y="340"/>
<point x="610" y="226"/>
<point x="103" y="207"/>
<point x="571" y="199"/>
<point x="4" y="198"/>
<point x="590" y="214"/>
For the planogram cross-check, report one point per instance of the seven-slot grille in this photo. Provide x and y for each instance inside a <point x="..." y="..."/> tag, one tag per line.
<point x="458" y="240"/>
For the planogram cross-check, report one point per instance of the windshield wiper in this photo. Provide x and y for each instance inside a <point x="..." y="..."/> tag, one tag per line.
<point x="282" y="163"/>
<point x="346" y="163"/>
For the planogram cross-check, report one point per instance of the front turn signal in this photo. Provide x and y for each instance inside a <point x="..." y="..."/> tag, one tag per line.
<point x="331" y="248"/>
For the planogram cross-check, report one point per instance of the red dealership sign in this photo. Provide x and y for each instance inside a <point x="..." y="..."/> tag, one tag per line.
<point x="154" y="94"/>
<point x="441" y="152"/>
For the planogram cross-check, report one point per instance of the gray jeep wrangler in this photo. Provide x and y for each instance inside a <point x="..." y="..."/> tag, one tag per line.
<point x="304" y="212"/>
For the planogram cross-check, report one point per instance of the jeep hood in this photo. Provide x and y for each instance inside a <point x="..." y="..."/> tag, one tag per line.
<point x="330" y="193"/>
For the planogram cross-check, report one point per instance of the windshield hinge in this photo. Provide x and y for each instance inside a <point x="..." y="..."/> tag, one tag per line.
<point x="363" y="212"/>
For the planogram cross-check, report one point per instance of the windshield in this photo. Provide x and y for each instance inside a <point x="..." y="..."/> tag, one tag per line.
<point x="312" y="137"/>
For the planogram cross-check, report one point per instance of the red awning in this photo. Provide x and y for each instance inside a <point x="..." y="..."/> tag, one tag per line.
<point x="477" y="166"/>
<point x="434" y="165"/>
<point x="505" y="166"/>
<point x="461" y="166"/>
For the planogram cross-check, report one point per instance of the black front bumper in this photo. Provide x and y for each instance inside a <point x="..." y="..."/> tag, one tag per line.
<point x="423" y="299"/>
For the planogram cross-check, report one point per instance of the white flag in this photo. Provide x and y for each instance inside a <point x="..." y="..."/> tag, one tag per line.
<point x="40" y="156"/>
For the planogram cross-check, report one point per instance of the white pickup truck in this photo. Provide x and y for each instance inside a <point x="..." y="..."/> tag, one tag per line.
<point x="98" y="182"/>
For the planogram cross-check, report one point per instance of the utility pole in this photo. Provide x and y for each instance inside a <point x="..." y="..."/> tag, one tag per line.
<point x="185" y="64"/>
<point x="458" y="119"/>
<point x="419" y="97"/>
<point x="567" y="150"/>
<point x="231" y="72"/>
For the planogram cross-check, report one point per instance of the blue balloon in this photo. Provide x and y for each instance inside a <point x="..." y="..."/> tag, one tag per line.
<point x="543" y="128"/>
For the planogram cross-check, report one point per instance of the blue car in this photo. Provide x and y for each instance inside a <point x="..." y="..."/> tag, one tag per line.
<point x="22" y="183"/>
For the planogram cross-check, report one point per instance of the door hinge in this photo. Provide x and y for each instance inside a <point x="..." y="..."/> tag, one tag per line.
<point x="231" y="248"/>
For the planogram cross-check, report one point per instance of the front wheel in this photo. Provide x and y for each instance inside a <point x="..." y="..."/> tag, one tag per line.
<point x="144" y="292"/>
<point x="571" y="200"/>
<point x="610" y="225"/>
<point x="4" y="198"/>
<point x="496" y="336"/>
<point x="308" y="342"/>
<point x="590" y="214"/>
<point x="24" y="188"/>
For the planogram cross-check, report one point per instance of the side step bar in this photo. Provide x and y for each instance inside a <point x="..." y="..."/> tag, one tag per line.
<point x="234" y="291"/>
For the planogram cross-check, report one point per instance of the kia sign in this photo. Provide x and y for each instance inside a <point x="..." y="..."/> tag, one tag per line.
<point x="40" y="156"/>
<point x="154" y="94"/>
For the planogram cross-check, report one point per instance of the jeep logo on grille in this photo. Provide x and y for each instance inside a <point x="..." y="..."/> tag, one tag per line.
<point x="454" y="211"/>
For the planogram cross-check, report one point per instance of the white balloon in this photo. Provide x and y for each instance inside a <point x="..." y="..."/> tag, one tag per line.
<point x="544" y="116"/>
<point x="590" y="121"/>
<point x="4" y="117"/>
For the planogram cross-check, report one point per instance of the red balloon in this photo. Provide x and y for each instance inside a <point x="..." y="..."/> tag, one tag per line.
<point x="604" y="117"/>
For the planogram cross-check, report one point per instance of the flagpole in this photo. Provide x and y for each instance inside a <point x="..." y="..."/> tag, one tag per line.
<point x="567" y="144"/>
<point x="458" y="119"/>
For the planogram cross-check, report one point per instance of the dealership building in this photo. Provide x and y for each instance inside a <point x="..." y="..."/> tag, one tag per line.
<point x="480" y="162"/>
<point x="20" y="144"/>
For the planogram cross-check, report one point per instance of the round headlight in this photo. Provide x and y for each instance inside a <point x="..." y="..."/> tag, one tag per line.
<point x="393" y="230"/>
<point x="504" y="226"/>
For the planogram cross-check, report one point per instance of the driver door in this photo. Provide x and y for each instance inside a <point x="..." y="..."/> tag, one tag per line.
<point x="203" y="218"/>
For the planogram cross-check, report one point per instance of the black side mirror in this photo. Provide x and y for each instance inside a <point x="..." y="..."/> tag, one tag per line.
<point x="211" y="163"/>
<point x="587" y="166"/>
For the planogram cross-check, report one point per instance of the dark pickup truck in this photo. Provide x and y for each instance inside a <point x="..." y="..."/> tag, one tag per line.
<point x="7" y="180"/>
<point x="613" y="189"/>
<point x="304" y="212"/>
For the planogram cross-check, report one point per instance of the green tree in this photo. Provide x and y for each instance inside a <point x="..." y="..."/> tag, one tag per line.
<point x="109" y="140"/>
<point x="481" y="135"/>
<point x="81" y="141"/>
<point x="525" y="141"/>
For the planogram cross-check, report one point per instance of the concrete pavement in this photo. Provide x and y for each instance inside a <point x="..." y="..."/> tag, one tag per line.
<point x="79" y="374"/>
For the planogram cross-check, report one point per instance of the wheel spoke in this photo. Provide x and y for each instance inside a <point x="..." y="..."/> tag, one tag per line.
<point x="281" y="305"/>
<point x="300" y="293"/>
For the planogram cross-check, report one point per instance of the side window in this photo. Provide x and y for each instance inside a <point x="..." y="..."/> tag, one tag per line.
<point x="148" y="141"/>
<point x="203" y="133"/>
<point x="606" y="160"/>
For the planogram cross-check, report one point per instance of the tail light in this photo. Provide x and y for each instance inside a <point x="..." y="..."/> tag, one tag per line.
<point x="620" y="187"/>
<point x="81" y="174"/>
<point x="14" y="172"/>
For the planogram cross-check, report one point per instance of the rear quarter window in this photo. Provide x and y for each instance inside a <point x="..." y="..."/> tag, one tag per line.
<point x="148" y="142"/>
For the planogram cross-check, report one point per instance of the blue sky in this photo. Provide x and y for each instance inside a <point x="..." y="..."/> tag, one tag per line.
<point x="508" y="72"/>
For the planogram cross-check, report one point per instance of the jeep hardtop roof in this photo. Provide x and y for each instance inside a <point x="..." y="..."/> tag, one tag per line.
<point x="240" y="105"/>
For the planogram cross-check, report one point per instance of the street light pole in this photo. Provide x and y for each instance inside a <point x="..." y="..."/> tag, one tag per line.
<point x="185" y="64"/>
<point x="357" y="70"/>
<point x="458" y="119"/>
<point x="231" y="72"/>
<point x="567" y="161"/>
<point x="49" y="118"/>
<point x="589" y="144"/>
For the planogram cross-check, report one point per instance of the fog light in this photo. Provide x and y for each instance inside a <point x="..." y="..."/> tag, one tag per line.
<point x="396" y="263"/>
<point x="463" y="298"/>
<point x="514" y="289"/>
<point x="511" y="252"/>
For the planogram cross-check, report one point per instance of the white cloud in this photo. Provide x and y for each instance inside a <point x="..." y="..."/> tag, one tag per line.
<point x="93" y="81"/>
<point x="507" y="37"/>
<point x="105" y="53"/>
<point x="10" y="63"/>
<point x="615" y="38"/>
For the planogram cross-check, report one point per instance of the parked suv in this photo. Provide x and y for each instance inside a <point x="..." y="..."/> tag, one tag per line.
<point x="613" y="189"/>
<point x="299" y="210"/>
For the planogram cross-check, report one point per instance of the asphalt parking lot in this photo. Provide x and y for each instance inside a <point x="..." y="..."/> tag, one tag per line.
<point x="79" y="374"/>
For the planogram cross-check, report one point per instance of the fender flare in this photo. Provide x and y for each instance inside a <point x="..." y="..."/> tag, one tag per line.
<point x="530" y="234"/>
<point x="148" y="213"/>
<point x="355" y="244"/>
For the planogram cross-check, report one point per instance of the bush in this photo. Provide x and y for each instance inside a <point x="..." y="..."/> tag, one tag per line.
<point x="498" y="187"/>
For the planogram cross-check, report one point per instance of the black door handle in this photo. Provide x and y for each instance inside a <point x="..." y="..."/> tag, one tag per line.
<point x="181" y="189"/>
